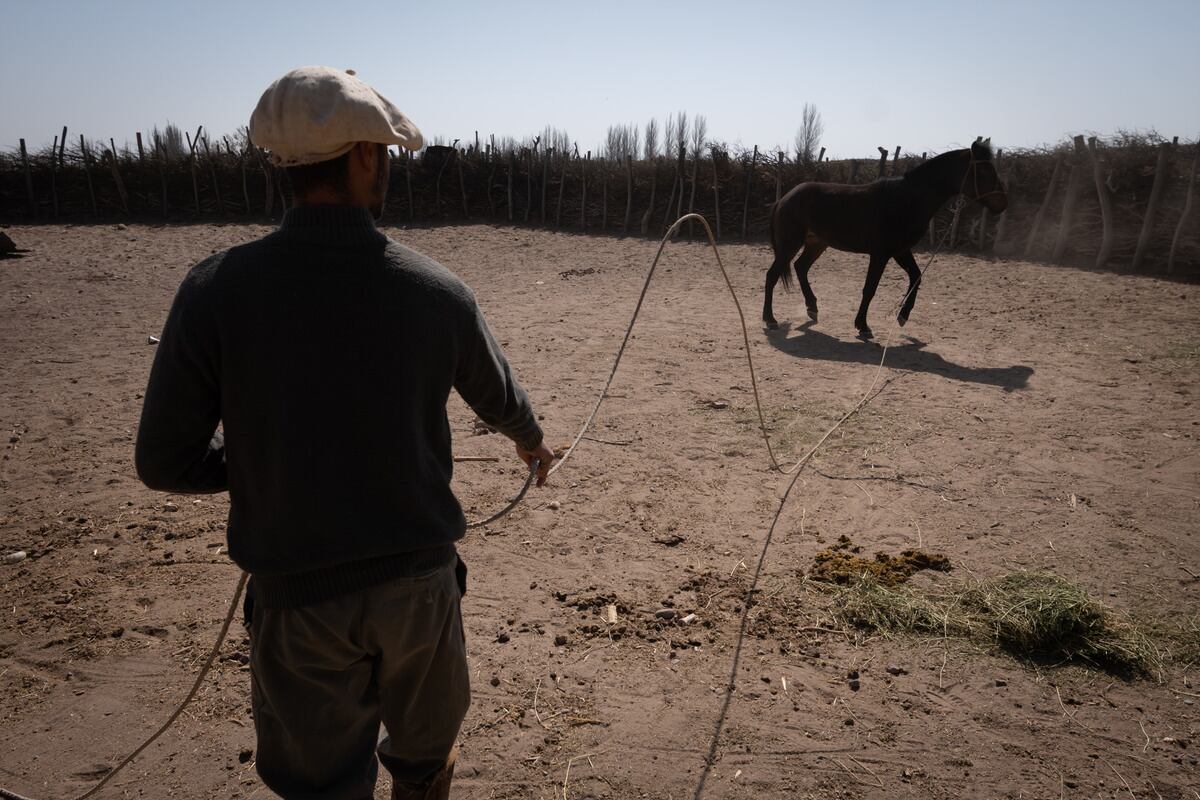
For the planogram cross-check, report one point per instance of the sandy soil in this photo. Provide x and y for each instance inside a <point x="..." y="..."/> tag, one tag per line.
<point x="1038" y="418"/>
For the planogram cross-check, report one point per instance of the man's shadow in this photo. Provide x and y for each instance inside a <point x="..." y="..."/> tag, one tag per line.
<point x="908" y="355"/>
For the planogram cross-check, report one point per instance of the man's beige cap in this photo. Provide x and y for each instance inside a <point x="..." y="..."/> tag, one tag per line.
<point x="314" y="114"/>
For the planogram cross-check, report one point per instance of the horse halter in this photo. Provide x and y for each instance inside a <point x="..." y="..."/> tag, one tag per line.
<point x="974" y="172"/>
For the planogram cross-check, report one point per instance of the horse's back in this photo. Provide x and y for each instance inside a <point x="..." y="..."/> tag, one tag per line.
<point x="841" y="215"/>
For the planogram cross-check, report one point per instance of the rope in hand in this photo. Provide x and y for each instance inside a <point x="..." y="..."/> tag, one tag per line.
<point x="795" y="471"/>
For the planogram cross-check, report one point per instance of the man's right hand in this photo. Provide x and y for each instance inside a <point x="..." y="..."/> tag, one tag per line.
<point x="545" y="457"/>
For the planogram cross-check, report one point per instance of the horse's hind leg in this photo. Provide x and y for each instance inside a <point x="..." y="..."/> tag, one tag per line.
<point x="812" y="251"/>
<point x="874" y="273"/>
<point x="909" y="265"/>
<point x="784" y="253"/>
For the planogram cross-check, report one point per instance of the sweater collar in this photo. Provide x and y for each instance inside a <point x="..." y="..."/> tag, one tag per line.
<point x="345" y="226"/>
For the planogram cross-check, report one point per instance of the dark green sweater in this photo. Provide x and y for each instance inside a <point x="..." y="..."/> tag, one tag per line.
<point x="327" y="352"/>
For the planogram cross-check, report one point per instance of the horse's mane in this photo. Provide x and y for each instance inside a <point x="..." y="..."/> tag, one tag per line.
<point x="982" y="151"/>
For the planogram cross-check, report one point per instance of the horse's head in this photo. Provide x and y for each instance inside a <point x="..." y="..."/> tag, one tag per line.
<point x="981" y="183"/>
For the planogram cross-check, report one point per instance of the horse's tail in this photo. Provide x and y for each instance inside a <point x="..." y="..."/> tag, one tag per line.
<point x="780" y="269"/>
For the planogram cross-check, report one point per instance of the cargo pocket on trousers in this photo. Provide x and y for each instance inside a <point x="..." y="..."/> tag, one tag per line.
<point x="460" y="575"/>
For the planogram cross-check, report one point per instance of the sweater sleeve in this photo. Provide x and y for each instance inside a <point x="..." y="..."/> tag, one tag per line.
<point x="485" y="381"/>
<point x="178" y="446"/>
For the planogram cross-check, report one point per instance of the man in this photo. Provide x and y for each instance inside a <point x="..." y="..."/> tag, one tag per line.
<point x="327" y="352"/>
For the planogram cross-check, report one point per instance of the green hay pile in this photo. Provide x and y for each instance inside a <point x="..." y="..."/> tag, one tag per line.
<point x="1034" y="616"/>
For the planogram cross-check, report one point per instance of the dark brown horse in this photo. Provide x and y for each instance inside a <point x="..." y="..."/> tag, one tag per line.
<point x="883" y="219"/>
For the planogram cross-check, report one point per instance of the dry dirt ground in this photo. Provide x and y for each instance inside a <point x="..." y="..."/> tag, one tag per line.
<point x="1037" y="418"/>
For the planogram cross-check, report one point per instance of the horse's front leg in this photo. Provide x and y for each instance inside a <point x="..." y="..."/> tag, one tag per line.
<point x="874" y="273"/>
<point x="909" y="265"/>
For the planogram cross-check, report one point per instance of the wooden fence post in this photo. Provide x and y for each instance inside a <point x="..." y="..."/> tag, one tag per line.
<point x="853" y="171"/>
<point x="1106" y="240"/>
<point x="212" y="172"/>
<point x="746" y="201"/>
<point x="87" y="173"/>
<point x="716" y="193"/>
<point x="245" y="184"/>
<point x="491" y="161"/>
<point x="562" y="184"/>
<point x="529" y="183"/>
<point x="778" y="176"/>
<point x="1002" y="224"/>
<point x="412" y="209"/>
<point x="28" y="179"/>
<point x="692" y="194"/>
<point x="268" y="186"/>
<point x="676" y="184"/>
<point x="462" y="184"/>
<point x="1035" y="228"/>
<point x="583" y="165"/>
<point x="1187" y="210"/>
<point x="121" y="193"/>
<point x="437" y="183"/>
<point x="54" y="175"/>
<point x="1074" y="180"/>
<point x="545" y="178"/>
<point x="141" y="152"/>
<point x="883" y="154"/>
<point x="679" y="197"/>
<point x="191" y="143"/>
<point x="512" y="167"/>
<point x="821" y="155"/>
<point x="160" y="155"/>
<point x="653" y="192"/>
<point x="896" y="160"/>
<point x="958" y="207"/>
<point x="603" y="167"/>
<point x="1160" y="182"/>
<point x="628" y="192"/>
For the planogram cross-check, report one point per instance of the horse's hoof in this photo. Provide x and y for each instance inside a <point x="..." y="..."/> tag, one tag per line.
<point x="902" y="318"/>
<point x="865" y="334"/>
<point x="812" y="314"/>
<point x="770" y="324"/>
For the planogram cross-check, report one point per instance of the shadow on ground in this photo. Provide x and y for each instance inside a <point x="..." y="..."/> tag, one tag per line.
<point x="907" y="355"/>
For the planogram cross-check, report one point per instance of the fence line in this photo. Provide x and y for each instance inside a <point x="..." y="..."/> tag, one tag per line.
<point x="1134" y="212"/>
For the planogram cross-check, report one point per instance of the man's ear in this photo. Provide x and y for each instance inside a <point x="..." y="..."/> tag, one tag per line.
<point x="365" y="154"/>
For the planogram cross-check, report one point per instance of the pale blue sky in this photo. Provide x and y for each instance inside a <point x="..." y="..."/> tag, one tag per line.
<point x="926" y="74"/>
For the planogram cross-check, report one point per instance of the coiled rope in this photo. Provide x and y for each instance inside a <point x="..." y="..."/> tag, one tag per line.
<point x="795" y="471"/>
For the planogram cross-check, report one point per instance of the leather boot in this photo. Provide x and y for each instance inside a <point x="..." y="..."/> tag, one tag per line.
<point x="436" y="788"/>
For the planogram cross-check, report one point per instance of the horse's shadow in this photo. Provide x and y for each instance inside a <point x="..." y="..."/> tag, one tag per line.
<point x="908" y="355"/>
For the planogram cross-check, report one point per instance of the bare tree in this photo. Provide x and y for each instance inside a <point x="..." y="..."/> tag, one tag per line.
<point x="171" y="140"/>
<point x="621" y="141"/>
<point x="669" y="136"/>
<point x="681" y="130"/>
<point x="808" y="135"/>
<point x="699" y="134"/>
<point x="555" y="139"/>
<point x="651" y="139"/>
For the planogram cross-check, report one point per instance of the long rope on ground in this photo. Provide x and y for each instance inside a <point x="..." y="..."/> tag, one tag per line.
<point x="748" y="600"/>
<point x="795" y="471"/>
<point x="208" y="662"/>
